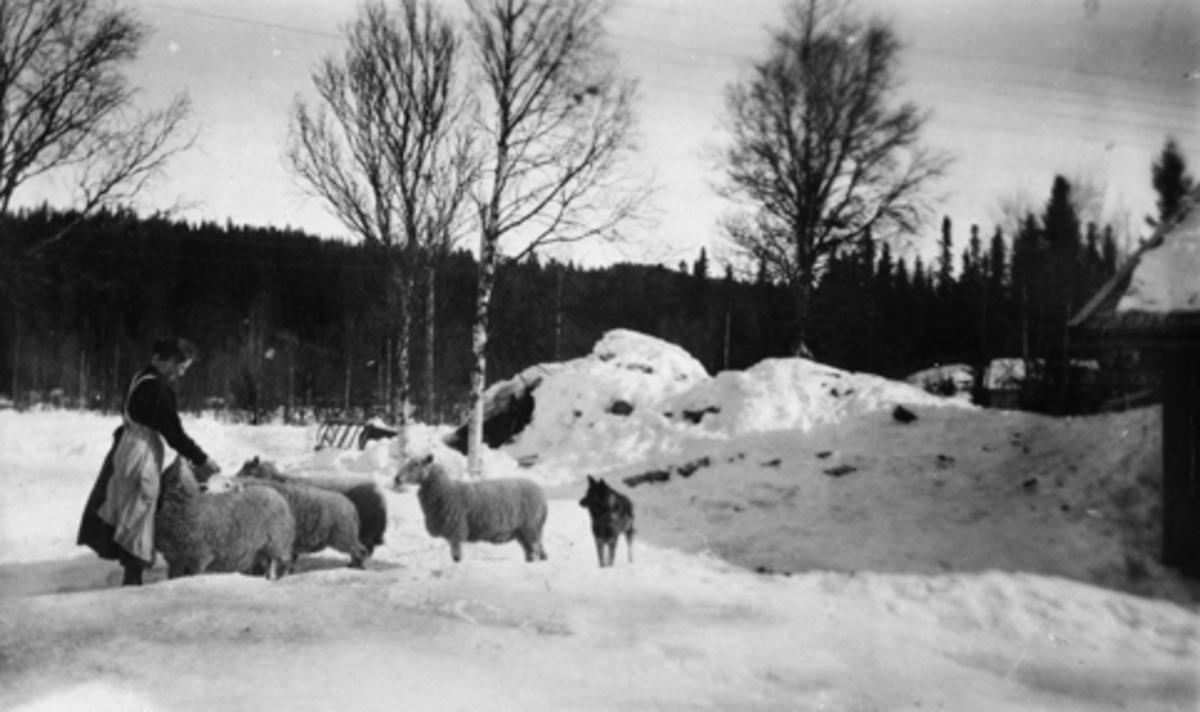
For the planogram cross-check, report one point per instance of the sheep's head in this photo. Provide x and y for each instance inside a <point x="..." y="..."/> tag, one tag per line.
<point x="413" y="472"/>
<point x="259" y="469"/>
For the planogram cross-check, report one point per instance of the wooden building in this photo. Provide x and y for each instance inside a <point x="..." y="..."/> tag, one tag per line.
<point x="1153" y="303"/>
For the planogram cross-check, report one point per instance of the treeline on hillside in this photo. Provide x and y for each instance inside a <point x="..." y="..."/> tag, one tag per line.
<point x="293" y="324"/>
<point x="296" y="325"/>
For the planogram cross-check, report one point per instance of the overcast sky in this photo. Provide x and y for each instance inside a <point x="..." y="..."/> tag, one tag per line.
<point x="1020" y="90"/>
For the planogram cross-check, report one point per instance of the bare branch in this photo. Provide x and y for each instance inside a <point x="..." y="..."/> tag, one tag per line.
<point x="65" y="105"/>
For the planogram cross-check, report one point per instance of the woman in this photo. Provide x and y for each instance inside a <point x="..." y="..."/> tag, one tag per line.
<point x="118" y="522"/>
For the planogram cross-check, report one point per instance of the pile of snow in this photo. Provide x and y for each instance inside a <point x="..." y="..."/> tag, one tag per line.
<point x="605" y="408"/>
<point x="791" y="394"/>
<point x="956" y="378"/>
<point x="637" y="399"/>
<point x="1165" y="279"/>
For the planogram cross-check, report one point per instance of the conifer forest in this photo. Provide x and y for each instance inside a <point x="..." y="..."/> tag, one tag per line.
<point x="294" y="326"/>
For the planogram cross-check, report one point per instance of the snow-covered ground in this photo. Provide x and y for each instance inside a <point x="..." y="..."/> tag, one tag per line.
<point x="798" y="548"/>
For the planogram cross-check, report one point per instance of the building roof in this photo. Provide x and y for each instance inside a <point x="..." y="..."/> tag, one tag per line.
<point x="1154" y="298"/>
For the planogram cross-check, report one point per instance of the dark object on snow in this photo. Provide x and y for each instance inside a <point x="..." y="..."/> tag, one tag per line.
<point x="689" y="468"/>
<point x="773" y="463"/>
<point x="903" y="415"/>
<point x="508" y="407"/>
<point x="620" y="407"/>
<point x="612" y="516"/>
<point x="824" y="454"/>
<point x="840" y="470"/>
<point x="696" y="416"/>
<point x="1030" y="484"/>
<point x="651" y="476"/>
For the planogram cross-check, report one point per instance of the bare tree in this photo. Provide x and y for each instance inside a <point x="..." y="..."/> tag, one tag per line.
<point x="386" y="149"/>
<point x="557" y="122"/>
<point x="817" y="156"/>
<point x="66" y="106"/>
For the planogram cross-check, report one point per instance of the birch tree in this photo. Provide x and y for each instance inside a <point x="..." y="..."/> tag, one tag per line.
<point x="818" y="154"/>
<point x="556" y="124"/>
<point x="67" y="108"/>
<point x="385" y="148"/>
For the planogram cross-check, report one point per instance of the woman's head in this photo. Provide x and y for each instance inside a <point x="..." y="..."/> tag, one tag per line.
<point x="173" y="356"/>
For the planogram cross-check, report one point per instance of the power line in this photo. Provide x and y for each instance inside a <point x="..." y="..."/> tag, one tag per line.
<point x="638" y="44"/>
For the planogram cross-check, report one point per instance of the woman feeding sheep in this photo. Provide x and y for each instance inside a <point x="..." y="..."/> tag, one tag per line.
<point x="118" y="521"/>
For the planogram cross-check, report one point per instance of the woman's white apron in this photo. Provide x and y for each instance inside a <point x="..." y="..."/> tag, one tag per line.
<point x="132" y="496"/>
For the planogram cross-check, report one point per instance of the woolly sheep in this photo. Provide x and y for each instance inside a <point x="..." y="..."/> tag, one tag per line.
<point x="323" y="519"/>
<point x="363" y="494"/>
<point x="237" y="531"/>
<point x="495" y="511"/>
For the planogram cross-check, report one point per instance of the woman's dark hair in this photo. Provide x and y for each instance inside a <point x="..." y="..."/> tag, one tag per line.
<point x="174" y="349"/>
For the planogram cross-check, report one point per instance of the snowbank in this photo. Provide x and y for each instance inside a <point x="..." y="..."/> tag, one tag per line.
<point x="966" y="560"/>
<point x="638" y="399"/>
<point x="791" y="394"/>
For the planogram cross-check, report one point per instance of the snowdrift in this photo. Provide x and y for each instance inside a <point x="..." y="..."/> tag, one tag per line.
<point x="817" y="554"/>
<point x="636" y="399"/>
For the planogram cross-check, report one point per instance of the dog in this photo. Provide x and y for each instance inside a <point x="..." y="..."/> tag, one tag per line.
<point x="612" y="516"/>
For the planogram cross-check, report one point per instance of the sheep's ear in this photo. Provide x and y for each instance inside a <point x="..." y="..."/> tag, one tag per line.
<point x="591" y="480"/>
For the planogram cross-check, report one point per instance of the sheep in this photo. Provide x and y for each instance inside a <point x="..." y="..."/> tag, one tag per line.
<point x="240" y="531"/>
<point x="363" y="494"/>
<point x="495" y="511"/>
<point x="323" y="519"/>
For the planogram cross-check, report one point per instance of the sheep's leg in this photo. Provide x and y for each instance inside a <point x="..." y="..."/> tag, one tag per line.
<point x="529" y="546"/>
<point x="600" y="551"/>
<point x="456" y="551"/>
<point x="531" y="542"/>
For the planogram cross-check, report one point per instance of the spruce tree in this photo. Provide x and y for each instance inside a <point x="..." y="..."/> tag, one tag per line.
<point x="1171" y="179"/>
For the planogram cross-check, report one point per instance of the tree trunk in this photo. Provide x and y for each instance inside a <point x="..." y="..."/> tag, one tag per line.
<point x="16" y="363"/>
<point x="803" y="308"/>
<point x="430" y="335"/>
<point x="479" y="339"/>
<point x="400" y="396"/>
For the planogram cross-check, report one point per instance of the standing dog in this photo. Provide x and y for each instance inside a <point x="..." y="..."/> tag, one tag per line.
<point x="612" y="515"/>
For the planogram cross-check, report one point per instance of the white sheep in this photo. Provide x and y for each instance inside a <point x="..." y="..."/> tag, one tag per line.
<point x="495" y="511"/>
<point x="364" y="494"/>
<point x="242" y="531"/>
<point x="323" y="519"/>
